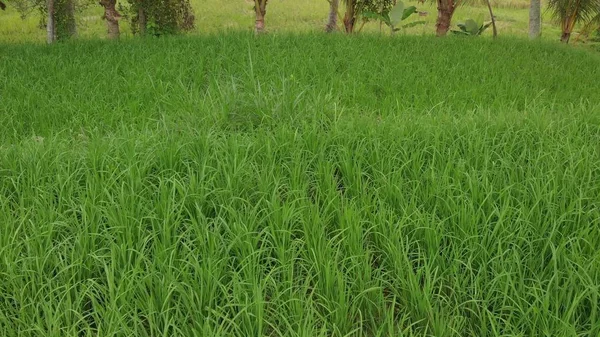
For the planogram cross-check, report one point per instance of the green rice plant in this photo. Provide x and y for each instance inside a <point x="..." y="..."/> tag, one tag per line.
<point x="252" y="190"/>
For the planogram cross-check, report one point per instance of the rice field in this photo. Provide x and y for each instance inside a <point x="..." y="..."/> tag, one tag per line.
<point x="299" y="185"/>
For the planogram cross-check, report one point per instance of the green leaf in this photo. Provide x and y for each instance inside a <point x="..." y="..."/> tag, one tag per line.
<point x="459" y="32"/>
<point x="386" y="19"/>
<point x="414" y="23"/>
<point x="484" y="27"/>
<point x="479" y="20"/>
<point x="471" y="27"/>
<point x="408" y="12"/>
<point x="372" y="15"/>
<point x="396" y="13"/>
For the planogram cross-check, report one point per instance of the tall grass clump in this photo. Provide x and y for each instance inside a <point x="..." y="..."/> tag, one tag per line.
<point x="299" y="186"/>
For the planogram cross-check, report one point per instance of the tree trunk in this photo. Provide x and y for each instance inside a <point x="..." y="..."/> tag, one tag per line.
<point x="260" y="8"/>
<point x="333" y="12"/>
<point x="71" y="24"/>
<point x="112" y="18"/>
<point x="50" y="28"/>
<point x="445" y="11"/>
<point x="535" y="19"/>
<point x="259" y="24"/>
<point x="64" y="19"/>
<point x="349" y="17"/>
<point x="567" y="28"/>
<point x="142" y="20"/>
<point x="493" y="19"/>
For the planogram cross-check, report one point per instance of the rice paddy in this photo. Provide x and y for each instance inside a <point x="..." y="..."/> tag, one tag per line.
<point x="299" y="185"/>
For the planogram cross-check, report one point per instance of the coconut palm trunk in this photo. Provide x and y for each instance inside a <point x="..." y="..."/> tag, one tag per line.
<point x="445" y="9"/>
<point x="50" y="26"/>
<point x="333" y="14"/>
<point x="535" y="19"/>
<point x="71" y="23"/>
<point x="567" y="29"/>
<point x="260" y="8"/>
<point x="350" y="16"/>
<point x="571" y="12"/>
<point x="142" y="22"/>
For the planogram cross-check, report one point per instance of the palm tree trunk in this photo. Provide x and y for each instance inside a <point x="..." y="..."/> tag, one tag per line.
<point x="333" y="13"/>
<point x="349" y="17"/>
<point x="535" y="19"/>
<point x="141" y="20"/>
<point x="71" y="23"/>
<point x="50" y="27"/>
<point x="260" y="8"/>
<point x="567" y="27"/>
<point x="445" y="11"/>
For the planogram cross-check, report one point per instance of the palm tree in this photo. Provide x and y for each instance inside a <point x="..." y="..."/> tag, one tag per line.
<point x="350" y="16"/>
<point x="446" y="10"/>
<point x="50" y="25"/>
<point x="333" y="13"/>
<point x="570" y="12"/>
<point x="591" y="26"/>
<point x="260" y="9"/>
<point x="535" y="19"/>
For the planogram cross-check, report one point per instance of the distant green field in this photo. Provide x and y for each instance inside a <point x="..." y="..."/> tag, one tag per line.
<point x="283" y="16"/>
<point x="299" y="185"/>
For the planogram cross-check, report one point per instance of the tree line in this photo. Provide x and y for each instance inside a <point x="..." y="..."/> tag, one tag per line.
<point x="152" y="17"/>
<point x="159" y="17"/>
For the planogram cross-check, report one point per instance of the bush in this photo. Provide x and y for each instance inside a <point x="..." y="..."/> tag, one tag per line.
<point x="164" y="17"/>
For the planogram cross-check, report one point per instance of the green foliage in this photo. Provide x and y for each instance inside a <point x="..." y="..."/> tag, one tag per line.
<point x="233" y="186"/>
<point x="360" y="7"/>
<point x="65" y="14"/>
<point x="569" y="13"/>
<point x="592" y="27"/>
<point x="298" y="16"/>
<point x="472" y="28"/>
<point x="65" y="21"/>
<point x="162" y="17"/>
<point x="580" y="10"/>
<point x="376" y="6"/>
<point x="394" y="16"/>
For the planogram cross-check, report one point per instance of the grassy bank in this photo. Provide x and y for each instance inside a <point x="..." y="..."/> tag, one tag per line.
<point x="299" y="186"/>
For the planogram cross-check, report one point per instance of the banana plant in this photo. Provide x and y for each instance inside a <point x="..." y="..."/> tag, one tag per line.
<point x="471" y="28"/>
<point x="394" y="17"/>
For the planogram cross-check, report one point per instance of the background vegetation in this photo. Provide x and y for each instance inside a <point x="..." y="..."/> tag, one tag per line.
<point x="283" y="16"/>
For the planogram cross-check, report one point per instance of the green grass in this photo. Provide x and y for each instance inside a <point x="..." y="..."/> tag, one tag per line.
<point x="302" y="185"/>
